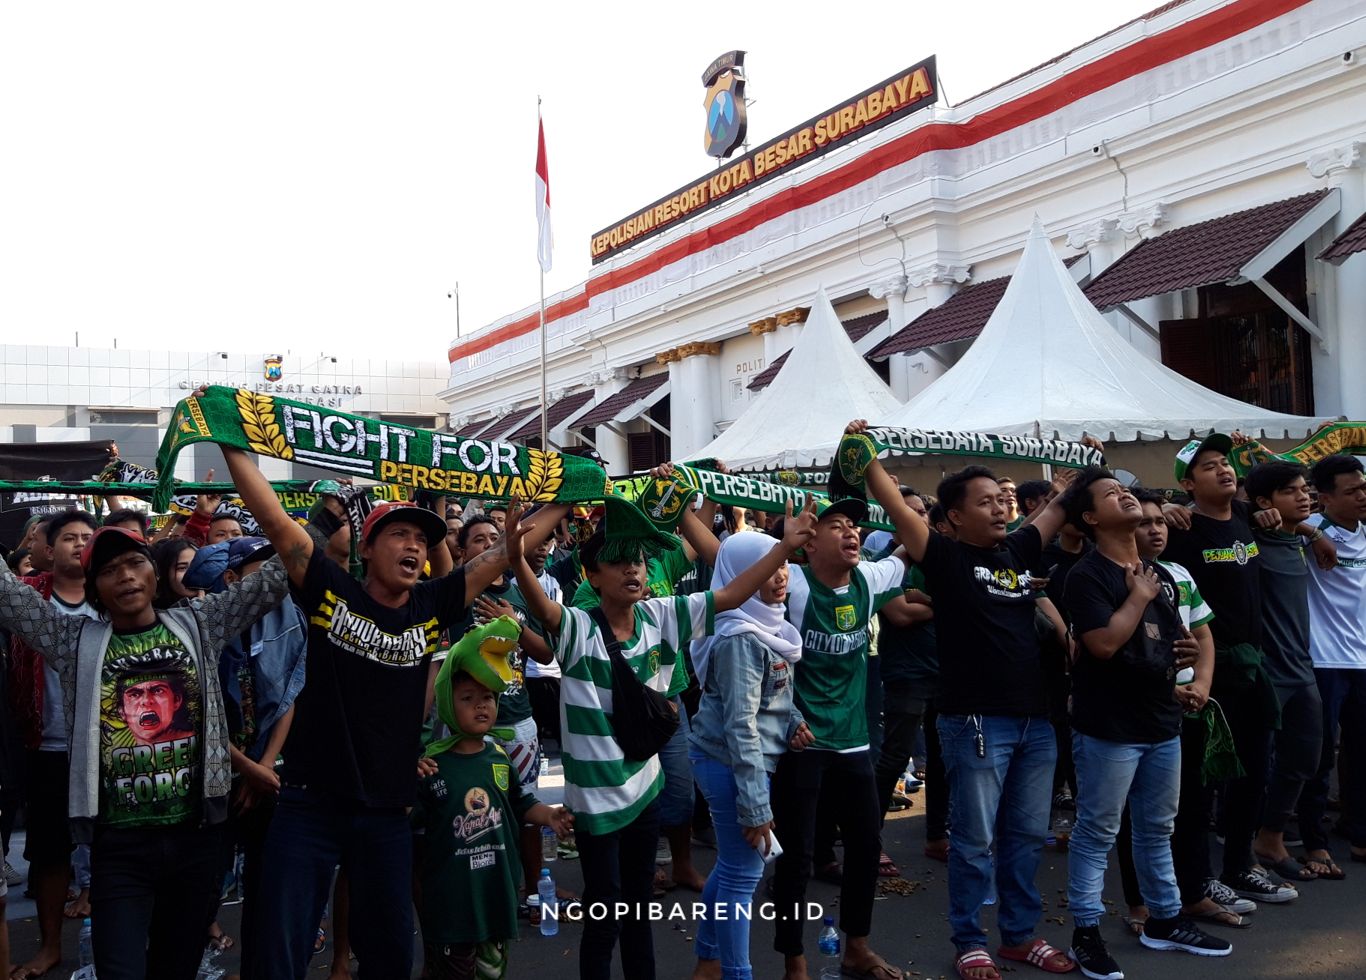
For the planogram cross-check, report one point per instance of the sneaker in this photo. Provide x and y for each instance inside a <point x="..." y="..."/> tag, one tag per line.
<point x="1064" y="801"/>
<point x="1222" y="894"/>
<point x="1254" y="884"/>
<point x="663" y="855"/>
<point x="1181" y="933"/>
<point x="1089" y="953"/>
<point x="13" y="879"/>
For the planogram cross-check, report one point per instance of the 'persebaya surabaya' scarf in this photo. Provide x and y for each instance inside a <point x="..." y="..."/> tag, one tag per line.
<point x="1346" y="438"/>
<point x="383" y="451"/>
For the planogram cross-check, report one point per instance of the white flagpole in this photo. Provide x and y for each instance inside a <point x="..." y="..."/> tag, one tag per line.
<point x="545" y="419"/>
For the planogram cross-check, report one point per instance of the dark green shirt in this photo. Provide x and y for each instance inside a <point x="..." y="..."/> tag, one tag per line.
<point x="469" y="814"/>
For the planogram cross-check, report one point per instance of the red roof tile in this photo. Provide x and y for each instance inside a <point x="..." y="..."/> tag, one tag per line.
<point x="471" y="429"/>
<point x="856" y="327"/>
<point x="961" y="316"/>
<point x="1197" y="255"/>
<point x="559" y="411"/>
<point x="1350" y="242"/>
<point x="633" y="392"/>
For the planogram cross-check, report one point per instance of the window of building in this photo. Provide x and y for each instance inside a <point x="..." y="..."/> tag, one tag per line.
<point x="1242" y="345"/>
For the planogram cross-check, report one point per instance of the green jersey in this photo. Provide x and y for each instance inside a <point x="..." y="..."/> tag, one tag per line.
<point x="605" y="790"/>
<point x="469" y="814"/>
<point x="832" y="676"/>
<point x="151" y="727"/>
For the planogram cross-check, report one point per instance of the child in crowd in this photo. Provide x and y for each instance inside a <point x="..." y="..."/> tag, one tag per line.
<point x="470" y="807"/>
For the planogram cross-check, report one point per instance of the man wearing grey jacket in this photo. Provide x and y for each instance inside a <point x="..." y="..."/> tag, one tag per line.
<point x="151" y="798"/>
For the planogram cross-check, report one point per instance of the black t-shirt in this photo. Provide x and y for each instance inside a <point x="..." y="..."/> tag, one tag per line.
<point x="1056" y="554"/>
<point x="358" y="718"/>
<point x="1224" y="558"/>
<point x="1128" y="698"/>
<point x="989" y="656"/>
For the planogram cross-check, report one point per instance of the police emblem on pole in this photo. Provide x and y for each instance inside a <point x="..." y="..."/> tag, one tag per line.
<point x="274" y="367"/>
<point x="724" y="80"/>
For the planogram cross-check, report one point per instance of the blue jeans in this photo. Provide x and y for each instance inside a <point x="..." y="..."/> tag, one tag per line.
<point x="1108" y="773"/>
<point x="676" y="798"/>
<point x="998" y="807"/>
<point x="309" y="835"/>
<point x="732" y="881"/>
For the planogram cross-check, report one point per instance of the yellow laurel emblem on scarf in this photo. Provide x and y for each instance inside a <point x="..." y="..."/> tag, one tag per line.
<point x="259" y="425"/>
<point x="545" y="474"/>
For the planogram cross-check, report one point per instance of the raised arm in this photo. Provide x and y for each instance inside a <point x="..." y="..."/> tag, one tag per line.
<point x="700" y="537"/>
<point x="911" y="528"/>
<point x="291" y="541"/>
<point x="797" y="531"/>
<point x="488" y="567"/>
<point x="538" y="604"/>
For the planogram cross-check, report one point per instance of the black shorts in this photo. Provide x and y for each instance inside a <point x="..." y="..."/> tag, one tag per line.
<point x="47" y="822"/>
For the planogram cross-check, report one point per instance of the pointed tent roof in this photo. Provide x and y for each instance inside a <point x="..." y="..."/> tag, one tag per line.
<point x="797" y="420"/>
<point x="1048" y="364"/>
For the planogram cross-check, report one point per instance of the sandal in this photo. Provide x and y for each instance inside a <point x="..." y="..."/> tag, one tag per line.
<point x="881" y="970"/>
<point x="1135" y="925"/>
<point x="1039" y="954"/>
<point x="320" y="943"/>
<point x="1330" y="870"/>
<point x="1221" y="917"/>
<point x="1288" y="868"/>
<point x="975" y="959"/>
<point x="886" y="867"/>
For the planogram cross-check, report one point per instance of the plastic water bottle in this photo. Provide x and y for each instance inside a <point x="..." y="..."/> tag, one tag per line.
<point x="87" y="947"/>
<point x="549" y="843"/>
<point x="829" y="945"/>
<point x="550" y="904"/>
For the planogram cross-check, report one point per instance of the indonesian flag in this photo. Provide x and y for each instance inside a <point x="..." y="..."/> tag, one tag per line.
<point x="546" y="242"/>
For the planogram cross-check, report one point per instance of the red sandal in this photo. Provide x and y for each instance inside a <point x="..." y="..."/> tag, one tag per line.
<point x="1039" y="954"/>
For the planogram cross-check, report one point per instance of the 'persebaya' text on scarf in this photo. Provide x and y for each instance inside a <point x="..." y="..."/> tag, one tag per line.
<point x="383" y="451"/>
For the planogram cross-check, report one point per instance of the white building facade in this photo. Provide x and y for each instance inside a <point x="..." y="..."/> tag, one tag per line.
<point x="74" y="394"/>
<point x="1248" y="115"/>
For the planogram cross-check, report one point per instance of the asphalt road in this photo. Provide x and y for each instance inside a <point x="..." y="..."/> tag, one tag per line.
<point x="1320" y="935"/>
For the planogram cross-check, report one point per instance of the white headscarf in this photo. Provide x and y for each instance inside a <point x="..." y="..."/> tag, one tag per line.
<point x="765" y="620"/>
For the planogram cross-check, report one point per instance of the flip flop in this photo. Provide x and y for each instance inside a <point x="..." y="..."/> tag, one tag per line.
<point x="881" y="970"/>
<point x="975" y="959"/>
<point x="1334" y="873"/>
<point x="1223" y="917"/>
<point x="221" y="942"/>
<point x="1038" y="954"/>
<point x="886" y="867"/>
<point x="1288" y="868"/>
<point x="1134" y="924"/>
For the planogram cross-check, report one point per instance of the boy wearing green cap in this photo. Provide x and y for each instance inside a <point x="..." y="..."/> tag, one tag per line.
<point x="614" y="798"/>
<point x="469" y="810"/>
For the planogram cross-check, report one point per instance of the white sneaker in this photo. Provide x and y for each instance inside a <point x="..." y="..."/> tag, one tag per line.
<point x="1222" y="894"/>
<point x="12" y="878"/>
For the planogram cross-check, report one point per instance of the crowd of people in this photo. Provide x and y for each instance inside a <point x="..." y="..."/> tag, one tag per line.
<point x="365" y="739"/>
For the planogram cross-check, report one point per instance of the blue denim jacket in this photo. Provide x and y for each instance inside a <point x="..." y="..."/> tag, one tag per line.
<point x="746" y="718"/>
<point x="274" y="651"/>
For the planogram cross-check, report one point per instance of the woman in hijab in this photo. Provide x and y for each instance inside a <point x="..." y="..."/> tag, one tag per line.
<point x="746" y="720"/>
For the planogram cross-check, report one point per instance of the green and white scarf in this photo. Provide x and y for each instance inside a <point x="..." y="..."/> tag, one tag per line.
<point x="1346" y="438"/>
<point x="382" y="451"/>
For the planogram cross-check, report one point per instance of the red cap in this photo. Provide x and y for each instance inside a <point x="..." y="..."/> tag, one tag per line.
<point x="107" y="542"/>
<point x="432" y="525"/>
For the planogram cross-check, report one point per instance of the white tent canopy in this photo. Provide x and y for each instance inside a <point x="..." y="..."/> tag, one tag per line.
<point x="1047" y="364"/>
<point x="799" y="418"/>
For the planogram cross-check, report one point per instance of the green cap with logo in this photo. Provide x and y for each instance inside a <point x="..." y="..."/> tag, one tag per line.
<point x="1215" y="441"/>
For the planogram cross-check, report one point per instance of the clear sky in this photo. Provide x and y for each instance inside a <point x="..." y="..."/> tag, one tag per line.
<point x="316" y="177"/>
